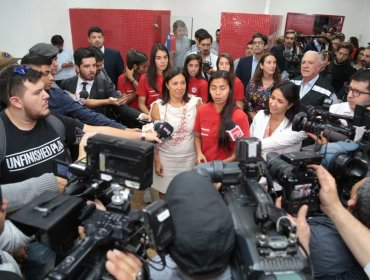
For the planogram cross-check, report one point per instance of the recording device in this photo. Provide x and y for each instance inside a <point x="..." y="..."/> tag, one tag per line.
<point x="317" y="120"/>
<point x="300" y="184"/>
<point x="267" y="245"/>
<point x="207" y="65"/>
<point x="55" y="217"/>
<point x="233" y="130"/>
<point x="164" y="130"/>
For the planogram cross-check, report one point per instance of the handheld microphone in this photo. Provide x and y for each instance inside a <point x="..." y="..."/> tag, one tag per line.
<point x="164" y="130"/>
<point x="82" y="96"/>
<point x="233" y="130"/>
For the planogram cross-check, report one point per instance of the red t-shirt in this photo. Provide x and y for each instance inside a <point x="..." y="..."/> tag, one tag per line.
<point x="207" y="123"/>
<point x="238" y="90"/>
<point x="125" y="86"/>
<point x="143" y="89"/>
<point x="198" y="87"/>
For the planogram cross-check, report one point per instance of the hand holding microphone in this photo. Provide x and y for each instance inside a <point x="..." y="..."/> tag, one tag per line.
<point x="162" y="130"/>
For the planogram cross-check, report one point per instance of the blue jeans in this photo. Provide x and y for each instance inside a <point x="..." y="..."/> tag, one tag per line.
<point x="40" y="261"/>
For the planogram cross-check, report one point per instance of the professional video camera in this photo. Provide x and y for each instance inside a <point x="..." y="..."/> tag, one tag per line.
<point x="300" y="185"/>
<point x="119" y="163"/>
<point x="317" y="120"/>
<point x="293" y="59"/>
<point x="266" y="241"/>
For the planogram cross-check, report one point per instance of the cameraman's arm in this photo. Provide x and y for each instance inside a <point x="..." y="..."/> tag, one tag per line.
<point x="33" y="187"/>
<point x="352" y="231"/>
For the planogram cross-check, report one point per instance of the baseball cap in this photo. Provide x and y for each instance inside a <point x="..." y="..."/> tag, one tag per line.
<point x="205" y="236"/>
<point x="7" y="59"/>
<point x="44" y="49"/>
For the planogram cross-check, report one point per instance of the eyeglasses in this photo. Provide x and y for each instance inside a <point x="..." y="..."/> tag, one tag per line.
<point x="355" y="92"/>
<point x="258" y="42"/>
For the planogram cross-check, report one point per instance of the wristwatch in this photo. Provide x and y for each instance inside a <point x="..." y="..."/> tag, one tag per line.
<point x="143" y="136"/>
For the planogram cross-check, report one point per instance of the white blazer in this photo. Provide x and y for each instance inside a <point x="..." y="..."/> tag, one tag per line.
<point x="282" y="140"/>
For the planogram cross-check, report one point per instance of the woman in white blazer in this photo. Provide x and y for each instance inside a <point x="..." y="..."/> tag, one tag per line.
<point x="273" y="126"/>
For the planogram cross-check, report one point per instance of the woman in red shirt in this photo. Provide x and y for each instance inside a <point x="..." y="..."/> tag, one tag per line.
<point x="137" y="64"/>
<point x="150" y="84"/>
<point x="225" y="62"/>
<point x="192" y="70"/>
<point x="210" y="138"/>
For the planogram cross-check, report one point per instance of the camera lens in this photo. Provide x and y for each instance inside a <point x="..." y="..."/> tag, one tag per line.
<point x="276" y="166"/>
<point x="344" y="165"/>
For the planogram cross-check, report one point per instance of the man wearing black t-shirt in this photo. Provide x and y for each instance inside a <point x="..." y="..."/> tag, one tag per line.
<point x="31" y="142"/>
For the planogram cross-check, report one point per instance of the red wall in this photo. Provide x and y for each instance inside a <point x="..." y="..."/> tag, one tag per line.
<point x="237" y="30"/>
<point x="123" y="29"/>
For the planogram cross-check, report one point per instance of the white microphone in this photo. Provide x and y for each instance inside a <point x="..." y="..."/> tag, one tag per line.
<point x="233" y="130"/>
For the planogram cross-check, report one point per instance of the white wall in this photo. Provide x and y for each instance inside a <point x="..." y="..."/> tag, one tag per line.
<point x="26" y="22"/>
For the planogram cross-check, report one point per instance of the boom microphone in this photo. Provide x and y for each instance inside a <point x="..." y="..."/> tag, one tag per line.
<point x="233" y="130"/>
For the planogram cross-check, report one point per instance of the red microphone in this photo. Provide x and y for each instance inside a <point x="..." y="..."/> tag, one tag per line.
<point x="233" y="130"/>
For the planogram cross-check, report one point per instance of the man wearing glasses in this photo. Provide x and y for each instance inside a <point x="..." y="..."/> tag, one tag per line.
<point x="247" y="65"/>
<point x="358" y="94"/>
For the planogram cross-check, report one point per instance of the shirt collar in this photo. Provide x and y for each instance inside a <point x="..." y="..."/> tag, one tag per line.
<point x="312" y="82"/>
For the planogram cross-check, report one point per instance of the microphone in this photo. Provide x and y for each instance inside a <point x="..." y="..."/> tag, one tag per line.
<point x="233" y="130"/>
<point x="164" y="130"/>
<point x="82" y="96"/>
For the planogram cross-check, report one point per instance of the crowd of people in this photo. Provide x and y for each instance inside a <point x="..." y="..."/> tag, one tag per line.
<point x="55" y="99"/>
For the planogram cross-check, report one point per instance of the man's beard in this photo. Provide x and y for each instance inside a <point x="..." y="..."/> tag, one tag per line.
<point x="35" y="116"/>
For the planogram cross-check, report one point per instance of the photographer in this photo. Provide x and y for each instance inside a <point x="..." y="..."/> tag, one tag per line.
<point x="329" y="254"/>
<point x="209" y="59"/>
<point x="358" y="93"/>
<point x="204" y="240"/>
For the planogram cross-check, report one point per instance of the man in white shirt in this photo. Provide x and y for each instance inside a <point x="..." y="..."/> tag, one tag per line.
<point x="65" y="60"/>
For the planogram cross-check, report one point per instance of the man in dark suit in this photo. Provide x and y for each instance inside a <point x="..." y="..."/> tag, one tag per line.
<point x="113" y="61"/>
<point x="100" y="94"/>
<point x="287" y="55"/>
<point x="247" y="65"/>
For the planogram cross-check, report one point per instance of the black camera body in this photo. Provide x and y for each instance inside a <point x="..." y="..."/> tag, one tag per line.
<point x="266" y="241"/>
<point x="113" y="165"/>
<point x="207" y="65"/>
<point x="300" y="184"/>
<point x="317" y="120"/>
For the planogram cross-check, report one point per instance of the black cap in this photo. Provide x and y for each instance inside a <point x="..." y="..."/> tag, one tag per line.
<point x="205" y="235"/>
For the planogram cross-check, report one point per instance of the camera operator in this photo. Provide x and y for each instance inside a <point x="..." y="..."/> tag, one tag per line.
<point x="329" y="254"/>
<point x="358" y="93"/>
<point x="209" y="59"/>
<point x="204" y="240"/>
<point x="287" y="54"/>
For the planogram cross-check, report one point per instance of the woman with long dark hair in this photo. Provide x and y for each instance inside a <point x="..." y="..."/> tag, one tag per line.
<point x="136" y="66"/>
<point x="274" y="125"/>
<point x="211" y="140"/>
<point x="150" y="84"/>
<point x="225" y="62"/>
<point x="197" y="84"/>
<point x="258" y="89"/>
<point x="178" y="109"/>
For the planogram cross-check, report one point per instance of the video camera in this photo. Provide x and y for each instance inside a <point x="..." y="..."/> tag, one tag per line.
<point x="300" y="184"/>
<point x="119" y="163"/>
<point x="267" y="244"/>
<point x="317" y="120"/>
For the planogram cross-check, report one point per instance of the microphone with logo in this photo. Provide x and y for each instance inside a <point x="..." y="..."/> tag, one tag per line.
<point x="164" y="129"/>
<point x="233" y="130"/>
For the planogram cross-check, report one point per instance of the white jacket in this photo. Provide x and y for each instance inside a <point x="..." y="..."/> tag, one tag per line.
<point x="282" y="140"/>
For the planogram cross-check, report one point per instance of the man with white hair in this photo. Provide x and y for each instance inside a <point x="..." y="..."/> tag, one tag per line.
<point x="313" y="88"/>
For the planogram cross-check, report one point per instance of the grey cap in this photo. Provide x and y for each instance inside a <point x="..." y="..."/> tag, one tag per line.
<point x="44" y="49"/>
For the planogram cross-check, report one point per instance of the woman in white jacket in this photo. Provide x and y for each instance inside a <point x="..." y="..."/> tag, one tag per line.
<point x="274" y="125"/>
